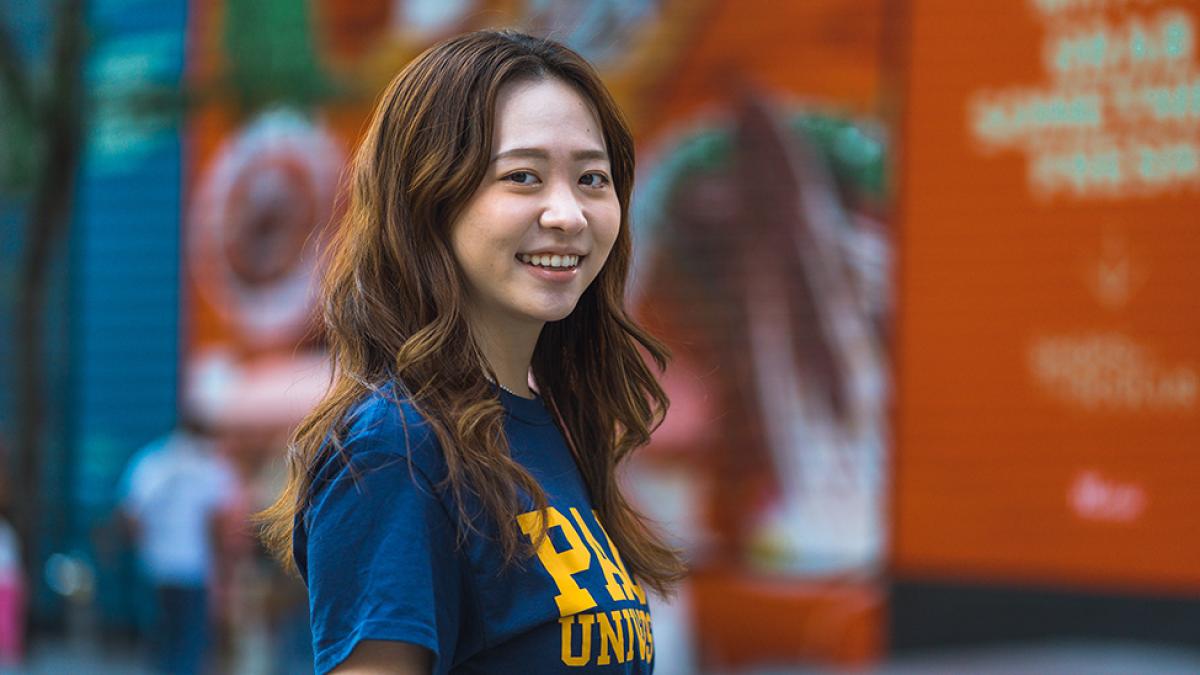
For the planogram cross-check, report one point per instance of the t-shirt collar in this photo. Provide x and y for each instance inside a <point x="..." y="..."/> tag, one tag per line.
<point x="531" y="410"/>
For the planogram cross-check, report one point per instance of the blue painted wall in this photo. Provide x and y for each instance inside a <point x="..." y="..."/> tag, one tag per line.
<point x="126" y="269"/>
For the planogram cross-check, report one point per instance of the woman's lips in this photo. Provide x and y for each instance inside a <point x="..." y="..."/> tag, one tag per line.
<point x="555" y="274"/>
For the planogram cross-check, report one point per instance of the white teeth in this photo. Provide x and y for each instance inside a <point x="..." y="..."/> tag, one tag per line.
<point x="550" y="260"/>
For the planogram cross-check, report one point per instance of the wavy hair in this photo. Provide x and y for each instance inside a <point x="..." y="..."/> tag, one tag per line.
<point x="394" y="307"/>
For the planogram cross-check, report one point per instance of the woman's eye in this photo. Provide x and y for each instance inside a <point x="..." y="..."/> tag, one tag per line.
<point x="594" y="180"/>
<point x="521" y="178"/>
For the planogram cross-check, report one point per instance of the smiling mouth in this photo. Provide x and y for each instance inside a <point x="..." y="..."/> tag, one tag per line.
<point x="551" y="262"/>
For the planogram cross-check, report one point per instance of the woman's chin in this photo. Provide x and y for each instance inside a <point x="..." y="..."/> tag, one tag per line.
<point x="553" y="312"/>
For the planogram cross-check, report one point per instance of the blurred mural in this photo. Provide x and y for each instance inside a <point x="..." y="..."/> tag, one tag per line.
<point x="763" y="191"/>
<point x="767" y="272"/>
<point x="926" y="267"/>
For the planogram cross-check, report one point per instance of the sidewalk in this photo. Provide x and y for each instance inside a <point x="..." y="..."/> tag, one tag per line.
<point x="1065" y="658"/>
<point x="62" y="657"/>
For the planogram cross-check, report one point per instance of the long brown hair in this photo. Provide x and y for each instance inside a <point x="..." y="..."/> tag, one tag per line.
<point x="394" y="312"/>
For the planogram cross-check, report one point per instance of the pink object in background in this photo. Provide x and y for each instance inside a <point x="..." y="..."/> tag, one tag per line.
<point x="12" y="598"/>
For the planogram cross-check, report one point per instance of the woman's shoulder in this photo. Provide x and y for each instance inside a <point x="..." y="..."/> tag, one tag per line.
<point x="382" y="409"/>
<point x="381" y="463"/>
<point x="384" y="424"/>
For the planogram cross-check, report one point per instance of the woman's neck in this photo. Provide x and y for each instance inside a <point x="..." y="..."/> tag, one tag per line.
<point x="509" y="351"/>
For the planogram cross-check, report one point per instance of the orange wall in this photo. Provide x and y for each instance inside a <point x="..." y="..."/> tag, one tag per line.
<point x="1028" y="317"/>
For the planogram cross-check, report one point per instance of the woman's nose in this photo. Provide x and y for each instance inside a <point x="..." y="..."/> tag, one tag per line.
<point x="563" y="210"/>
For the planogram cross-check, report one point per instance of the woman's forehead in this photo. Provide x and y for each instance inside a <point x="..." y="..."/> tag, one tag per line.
<point x="548" y="117"/>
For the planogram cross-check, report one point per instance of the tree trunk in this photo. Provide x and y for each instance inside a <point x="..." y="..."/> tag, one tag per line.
<point x="47" y="223"/>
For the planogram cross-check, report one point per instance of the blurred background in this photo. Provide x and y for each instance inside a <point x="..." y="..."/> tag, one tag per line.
<point x="930" y="270"/>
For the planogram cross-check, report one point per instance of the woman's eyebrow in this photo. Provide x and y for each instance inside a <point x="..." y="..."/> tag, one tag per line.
<point x="539" y="153"/>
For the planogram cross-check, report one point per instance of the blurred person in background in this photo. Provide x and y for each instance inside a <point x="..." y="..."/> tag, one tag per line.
<point x="453" y="503"/>
<point x="171" y="500"/>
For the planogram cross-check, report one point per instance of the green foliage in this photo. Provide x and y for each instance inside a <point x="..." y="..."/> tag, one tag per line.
<point x="856" y="155"/>
<point x="270" y="52"/>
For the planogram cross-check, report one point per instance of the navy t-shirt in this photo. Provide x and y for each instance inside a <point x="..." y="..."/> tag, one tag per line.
<point x="377" y="548"/>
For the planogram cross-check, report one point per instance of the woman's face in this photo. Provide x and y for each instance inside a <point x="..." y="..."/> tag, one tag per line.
<point x="538" y="229"/>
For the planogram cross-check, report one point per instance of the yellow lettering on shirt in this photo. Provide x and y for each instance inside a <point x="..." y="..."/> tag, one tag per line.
<point x="598" y="637"/>
<point x="629" y="620"/>
<point x="649" y="653"/>
<point x="610" y="637"/>
<point x="562" y="566"/>
<point x="631" y="587"/>
<point x="619" y="630"/>
<point x="585" y="648"/>
<point x="618" y="579"/>
<point x="640" y="629"/>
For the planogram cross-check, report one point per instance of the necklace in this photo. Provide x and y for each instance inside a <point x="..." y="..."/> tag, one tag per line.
<point x="507" y="389"/>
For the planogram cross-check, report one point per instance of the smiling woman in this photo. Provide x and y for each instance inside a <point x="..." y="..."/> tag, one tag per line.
<point x="547" y="196"/>
<point x="452" y="503"/>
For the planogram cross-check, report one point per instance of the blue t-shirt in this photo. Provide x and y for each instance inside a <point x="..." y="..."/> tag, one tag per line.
<point x="381" y="561"/>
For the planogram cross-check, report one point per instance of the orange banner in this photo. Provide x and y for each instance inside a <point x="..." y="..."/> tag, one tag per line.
<point x="1049" y="331"/>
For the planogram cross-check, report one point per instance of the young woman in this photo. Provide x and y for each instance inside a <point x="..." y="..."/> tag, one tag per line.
<point x="453" y="502"/>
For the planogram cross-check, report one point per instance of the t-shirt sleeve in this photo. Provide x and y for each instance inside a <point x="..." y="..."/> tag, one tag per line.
<point x="379" y="556"/>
